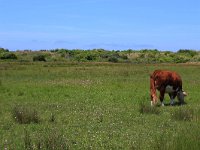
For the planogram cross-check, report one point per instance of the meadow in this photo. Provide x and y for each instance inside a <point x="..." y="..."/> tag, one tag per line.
<point x="89" y="105"/>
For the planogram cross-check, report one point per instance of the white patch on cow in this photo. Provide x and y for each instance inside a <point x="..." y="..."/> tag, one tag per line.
<point x="151" y="103"/>
<point x="184" y="93"/>
<point x="169" y="89"/>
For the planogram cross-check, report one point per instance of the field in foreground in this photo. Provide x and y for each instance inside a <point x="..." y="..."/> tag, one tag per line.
<point x="94" y="106"/>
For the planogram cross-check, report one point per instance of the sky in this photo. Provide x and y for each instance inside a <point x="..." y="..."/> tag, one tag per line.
<point x="108" y="24"/>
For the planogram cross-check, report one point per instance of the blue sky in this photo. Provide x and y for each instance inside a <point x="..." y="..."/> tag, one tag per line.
<point x="109" y="24"/>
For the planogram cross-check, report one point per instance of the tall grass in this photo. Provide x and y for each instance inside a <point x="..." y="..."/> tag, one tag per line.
<point x="25" y="115"/>
<point x="148" y="109"/>
<point x="186" y="136"/>
<point x="185" y="114"/>
<point x="184" y="139"/>
<point x="52" y="140"/>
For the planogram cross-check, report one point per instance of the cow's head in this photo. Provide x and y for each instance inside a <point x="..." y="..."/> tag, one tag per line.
<point x="153" y="99"/>
<point x="180" y="95"/>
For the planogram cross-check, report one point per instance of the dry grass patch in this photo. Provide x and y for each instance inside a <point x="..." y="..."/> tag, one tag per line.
<point x="147" y="109"/>
<point x="25" y="115"/>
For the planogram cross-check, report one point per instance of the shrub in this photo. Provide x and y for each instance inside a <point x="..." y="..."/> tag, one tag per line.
<point x="79" y="58"/>
<point x="91" y="57"/>
<point x="181" y="59"/>
<point x="188" y="52"/>
<point x="113" y="59"/>
<point x="8" y="56"/>
<point x="196" y="58"/>
<point x="124" y="57"/>
<point x="3" y="50"/>
<point x="105" y="55"/>
<point x="39" y="58"/>
<point x="25" y="115"/>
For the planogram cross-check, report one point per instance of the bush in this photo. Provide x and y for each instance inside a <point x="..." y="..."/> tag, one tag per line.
<point x="196" y="58"/>
<point x="181" y="59"/>
<point x="91" y="57"/>
<point x="3" y="50"/>
<point x="113" y="59"/>
<point x="39" y="58"/>
<point x="9" y="56"/>
<point x="80" y="57"/>
<point x="125" y="57"/>
<point x="191" y="53"/>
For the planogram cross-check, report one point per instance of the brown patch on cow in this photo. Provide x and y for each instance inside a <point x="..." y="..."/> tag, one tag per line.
<point x="160" y="79"/>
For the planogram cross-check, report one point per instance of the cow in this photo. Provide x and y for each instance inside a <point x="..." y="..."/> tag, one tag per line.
<point x="166" y="82"/>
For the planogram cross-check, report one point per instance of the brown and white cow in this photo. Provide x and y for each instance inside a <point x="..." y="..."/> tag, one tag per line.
<point x="166" y="82"/>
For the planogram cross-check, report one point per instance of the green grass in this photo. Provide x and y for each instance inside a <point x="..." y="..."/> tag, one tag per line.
<point x="94" y="106"/>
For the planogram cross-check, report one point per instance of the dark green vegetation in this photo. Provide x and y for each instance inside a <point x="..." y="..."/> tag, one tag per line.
<point x="63" y="105"/>
<point x="101" y="55"/>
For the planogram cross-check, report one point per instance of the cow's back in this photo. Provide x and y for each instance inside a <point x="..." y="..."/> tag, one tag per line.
<point x="165" y="78"/>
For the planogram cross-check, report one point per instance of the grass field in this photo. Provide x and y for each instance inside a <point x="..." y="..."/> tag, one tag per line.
<point x="94" y="106"/>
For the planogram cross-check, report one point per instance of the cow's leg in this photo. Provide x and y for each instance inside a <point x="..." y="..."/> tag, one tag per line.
<point x="171" y="98"/>
<point x="152" y="103"/>
<point x="162" y="94"/>
<point x="153" y="91"/>
<point x="153" y="99"/>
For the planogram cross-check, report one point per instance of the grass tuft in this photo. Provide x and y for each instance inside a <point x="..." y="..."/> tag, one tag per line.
<point x="25" y="115"/>
<point x="147" y="109"/>
<point x="51" y="140"/>
<point x="182" y="114"/>
<point x="52" y="118"/>
<point x="27" y="140"/>
<point x="55" y="140"/>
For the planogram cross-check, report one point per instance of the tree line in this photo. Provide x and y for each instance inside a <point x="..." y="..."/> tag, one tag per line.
<point x="102" y="55"/>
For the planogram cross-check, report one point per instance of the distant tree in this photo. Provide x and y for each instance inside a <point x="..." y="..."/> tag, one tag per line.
<point x="124" y="57"/>
<point x="113" y="59"/>
<point x="91" y="57"/>
<point x="39" y="58"/>
<point x="191" y="53"/>
<point x="3" y="50"/>
<point x="149" y="50"/>
<point x="8" y="56"/>
<point x="129" y="51"/>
